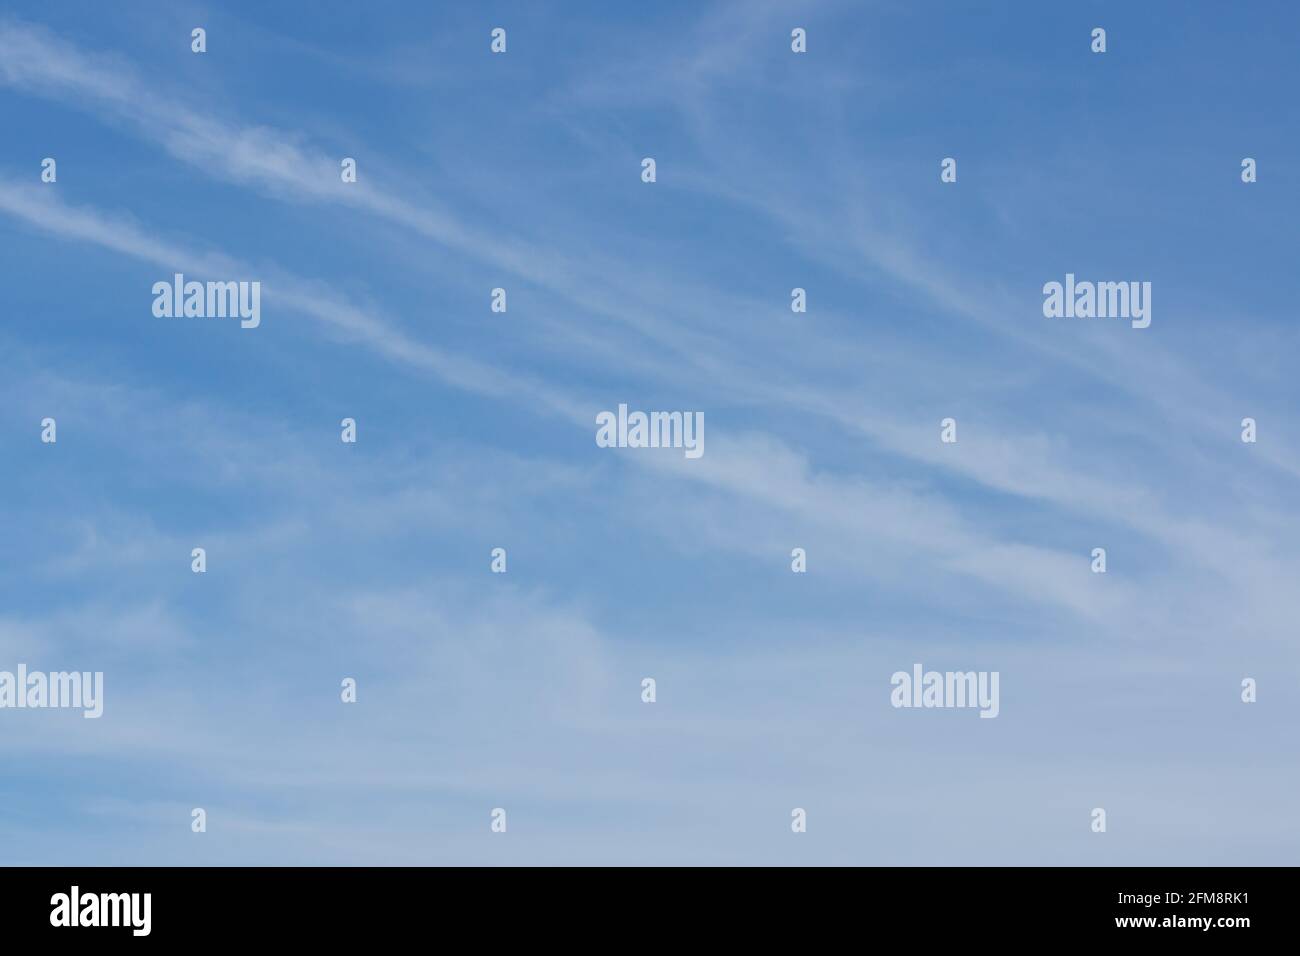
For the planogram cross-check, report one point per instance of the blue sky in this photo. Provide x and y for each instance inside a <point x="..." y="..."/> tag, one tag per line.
<point x="476" y="430"/>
